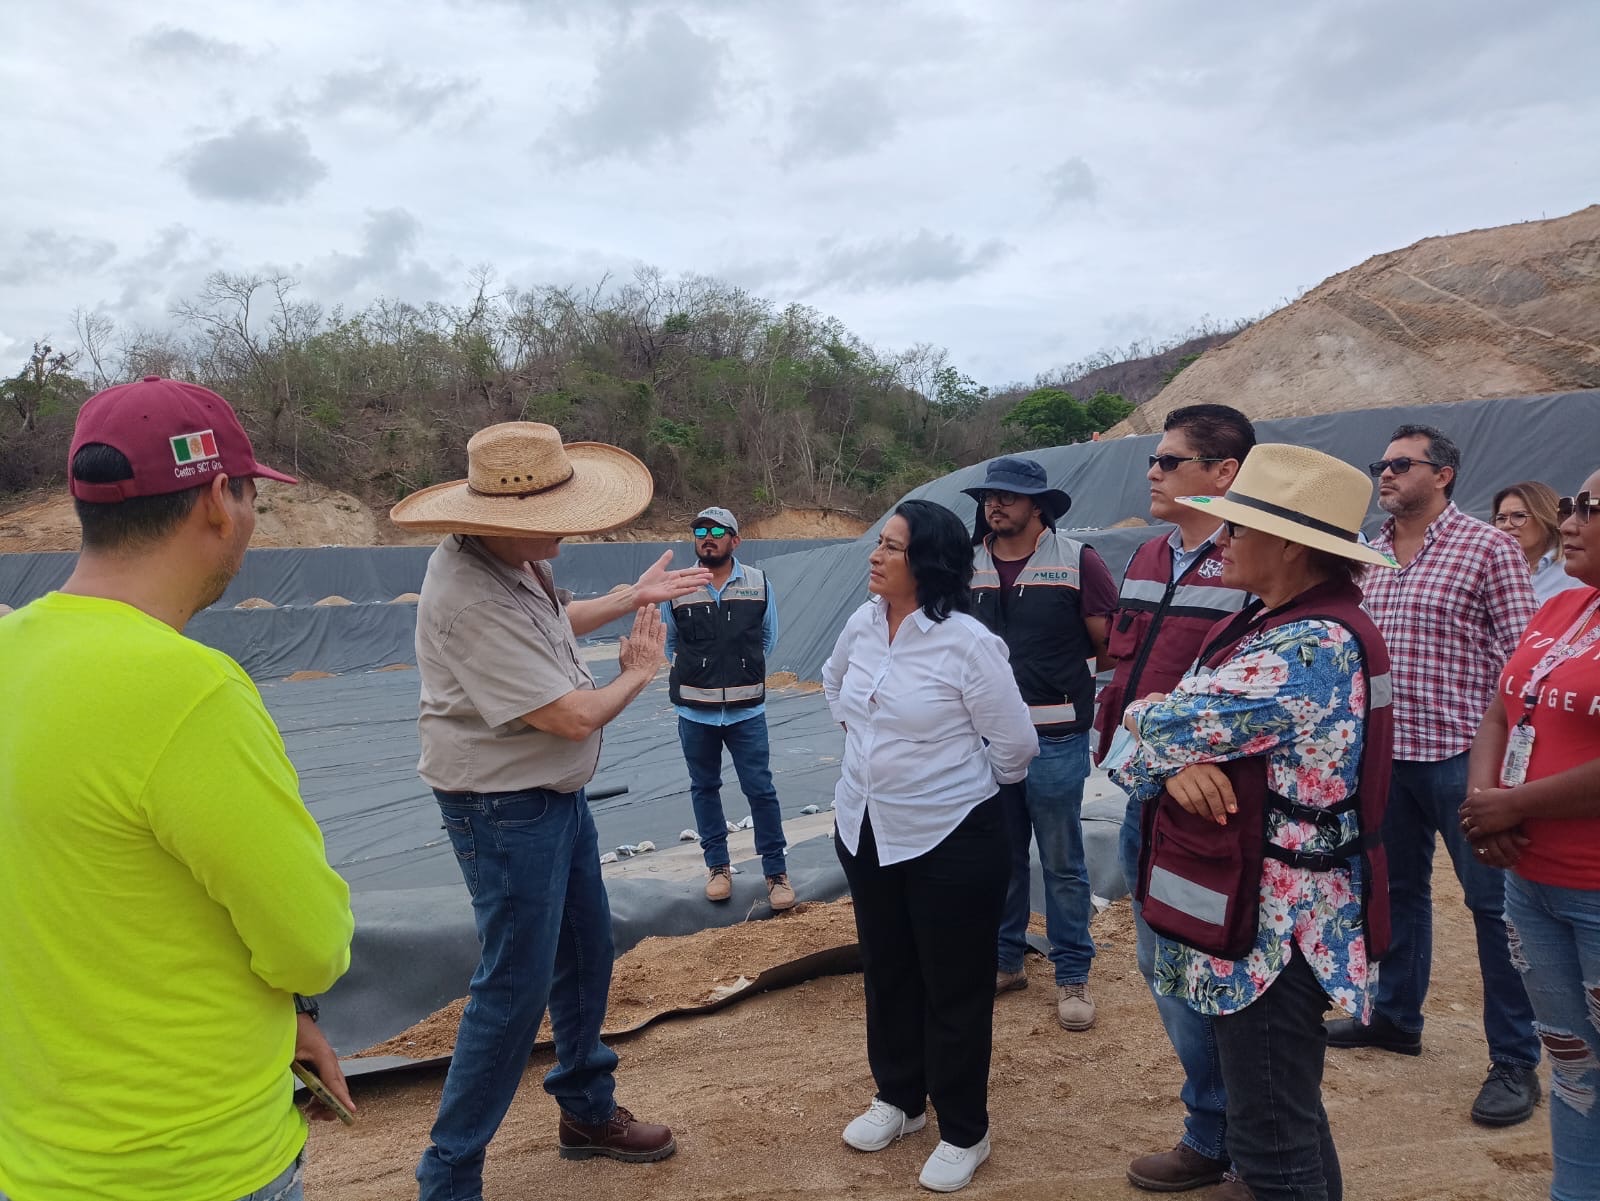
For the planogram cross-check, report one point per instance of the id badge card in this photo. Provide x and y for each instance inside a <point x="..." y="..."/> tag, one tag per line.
<point x="1519" y="749"/>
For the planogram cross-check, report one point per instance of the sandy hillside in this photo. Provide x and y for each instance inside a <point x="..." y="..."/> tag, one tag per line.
<point x="314" y="515"/>
<point x="758" y="1093"/>
<point x="1509" y="311"/>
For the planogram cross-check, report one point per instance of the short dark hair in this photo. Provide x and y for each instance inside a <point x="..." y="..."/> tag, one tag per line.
<point x="1441" y="449"/>
<point x="128" y="523"/>
<point x="1215" y="431"/>
<point x="1335" y="567"/>
<point x="939" y="553"/>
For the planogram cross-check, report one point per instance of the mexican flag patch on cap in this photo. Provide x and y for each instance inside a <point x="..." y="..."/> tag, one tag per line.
<point x="191" y="448"/>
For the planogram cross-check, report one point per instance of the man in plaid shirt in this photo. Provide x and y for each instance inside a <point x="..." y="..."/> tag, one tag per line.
<point x="1451" y="615"/>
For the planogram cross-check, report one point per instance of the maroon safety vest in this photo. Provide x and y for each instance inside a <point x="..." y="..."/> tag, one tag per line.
<point x="1200" y="883"/>
<point x="1159" y="627"/>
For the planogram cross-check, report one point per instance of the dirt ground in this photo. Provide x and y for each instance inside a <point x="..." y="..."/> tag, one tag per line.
<point x="758" y="1093"/>
<point x="311" y="514"/>
<point x="1509" y="311"/>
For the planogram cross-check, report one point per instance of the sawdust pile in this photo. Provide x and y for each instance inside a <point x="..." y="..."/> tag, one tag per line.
<point x="1510" y="311"/>
<point x="663" y="974"/>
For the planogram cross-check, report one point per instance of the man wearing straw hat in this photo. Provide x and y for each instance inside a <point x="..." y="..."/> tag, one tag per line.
<point x="510" y="729"/>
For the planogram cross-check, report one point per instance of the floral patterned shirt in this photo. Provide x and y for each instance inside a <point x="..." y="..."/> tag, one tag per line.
<point x="1296" y="694"/>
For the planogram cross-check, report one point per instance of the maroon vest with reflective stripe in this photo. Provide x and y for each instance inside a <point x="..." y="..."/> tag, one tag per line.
<point x="1159" y="627"/>
<point x="1340" y="601"/>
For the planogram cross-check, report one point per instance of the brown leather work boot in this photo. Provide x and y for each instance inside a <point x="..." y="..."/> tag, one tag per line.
<point x="1231" y="1189"/>
<point x="1175" y="1171"/>
<point x="720" y="886"/>
<point x="622" y="1138"/>
<point x="1010" y="981"/>
<point x="780" y="895"/>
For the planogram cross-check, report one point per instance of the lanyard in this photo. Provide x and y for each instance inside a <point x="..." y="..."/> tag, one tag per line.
<point x="1565" y="648"/>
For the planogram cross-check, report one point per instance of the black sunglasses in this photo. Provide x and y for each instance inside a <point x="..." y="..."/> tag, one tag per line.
<point x="714" y="531"/>
<point x="1234" y="529"/>
<point x="1399" y="465"/>
<point x="1172" y="462"/>
<point x="1582" y="504"/>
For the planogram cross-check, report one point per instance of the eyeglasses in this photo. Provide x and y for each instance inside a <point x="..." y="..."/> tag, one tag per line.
<point x="1399" y="465"/>
<point x="1511" y="519"/>
<point x="1172" y="462"/>
<point x="711" y="531"/>
<point x="1582" y="504"/>
<point x="1002" y="498"/>
<point x="1234" y="529"/>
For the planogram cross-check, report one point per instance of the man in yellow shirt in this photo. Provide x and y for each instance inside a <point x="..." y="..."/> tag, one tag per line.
<point x="165" y="893"/>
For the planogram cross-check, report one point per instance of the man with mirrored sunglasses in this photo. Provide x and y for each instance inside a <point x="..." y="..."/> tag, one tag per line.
<point x="1451" y="615"/>
<point x="718" y="638"/>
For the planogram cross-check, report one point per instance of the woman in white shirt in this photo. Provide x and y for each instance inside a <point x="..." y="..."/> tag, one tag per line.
<point x="1527" y="511"/>
<point x="934" y="724"/>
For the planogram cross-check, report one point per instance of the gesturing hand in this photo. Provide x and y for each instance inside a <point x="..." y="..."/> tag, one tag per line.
<point x="644" y="649"/>
<point x="657" y="584"/>
<point x="1203" y="790"/>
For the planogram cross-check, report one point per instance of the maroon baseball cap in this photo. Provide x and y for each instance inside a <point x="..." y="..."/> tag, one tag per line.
<point x="175" y="435"/>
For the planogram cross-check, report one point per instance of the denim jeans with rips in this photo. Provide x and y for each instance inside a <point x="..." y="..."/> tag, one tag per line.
<point x="1424" y="800"/>
<point x="1048" y="807"/>
<point x="531" y="861"/>
<point x="1204" y="1095"/>
<point x="1555" y="944"/>
<point x="750" y="749"/>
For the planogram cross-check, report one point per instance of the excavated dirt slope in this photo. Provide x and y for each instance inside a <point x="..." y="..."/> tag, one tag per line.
<point x="1512" y="311"/>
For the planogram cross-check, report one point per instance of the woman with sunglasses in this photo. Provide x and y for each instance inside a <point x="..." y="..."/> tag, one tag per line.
<point x="934" y="724"/>
<point x="1527" y="511"/>
<point x="1267" y="772"/>
<point x="1533" y="806"/>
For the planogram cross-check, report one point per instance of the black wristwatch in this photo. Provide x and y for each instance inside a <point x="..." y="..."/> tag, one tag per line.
<point x="307" y="1006"/>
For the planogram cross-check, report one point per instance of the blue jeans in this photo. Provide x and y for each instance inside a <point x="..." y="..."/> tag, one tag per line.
<point x="1423" y="801"/>
<point x="749" y="749"/>
<point x="1205" y="1127"/>
<point x="1048" y="805"/>
<point x="531" y="861"/>
<point x="1555" y="944"/>
<point x="285" y="1186"/>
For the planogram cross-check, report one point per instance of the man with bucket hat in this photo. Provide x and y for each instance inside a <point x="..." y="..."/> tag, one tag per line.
<point x="1048" y="597"/>
<point x="510" y="729"/>
<point x="165" y="892"/>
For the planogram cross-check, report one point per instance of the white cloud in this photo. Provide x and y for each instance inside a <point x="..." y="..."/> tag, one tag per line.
<point x="253" y="163"/>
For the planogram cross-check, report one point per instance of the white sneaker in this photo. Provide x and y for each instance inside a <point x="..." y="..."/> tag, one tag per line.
<point x="951" y="1168"/>
<point x="881" y="1125"/>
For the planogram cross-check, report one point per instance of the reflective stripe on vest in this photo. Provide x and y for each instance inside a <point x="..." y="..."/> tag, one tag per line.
<point x="1186" y="896"/>
<point x="1184" y="596"/>
<point x="1380" y="691"/>
<point x="1052" y="715"/>
<point x="721" y="696"/>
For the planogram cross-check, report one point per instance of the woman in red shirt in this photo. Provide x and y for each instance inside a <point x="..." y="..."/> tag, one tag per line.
<point x="1533" y="806"/>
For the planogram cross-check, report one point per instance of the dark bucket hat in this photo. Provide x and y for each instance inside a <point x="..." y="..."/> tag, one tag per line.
<point x="1025" y="477"/>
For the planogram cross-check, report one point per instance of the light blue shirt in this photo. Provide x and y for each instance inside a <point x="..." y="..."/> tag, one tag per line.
<point x="1550" y="578"/>
<point x="769" y="639"/>
<point x="1182" y="559"/>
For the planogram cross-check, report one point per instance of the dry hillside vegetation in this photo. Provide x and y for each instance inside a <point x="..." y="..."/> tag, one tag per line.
<point x="1511" y="311"/>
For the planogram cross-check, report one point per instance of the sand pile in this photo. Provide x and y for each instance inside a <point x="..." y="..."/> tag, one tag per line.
<point x="255" y="602"/>
<point x="1510" y="311"/>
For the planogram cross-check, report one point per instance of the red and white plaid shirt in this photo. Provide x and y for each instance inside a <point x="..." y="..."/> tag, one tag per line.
<point x="1451" y="617"/>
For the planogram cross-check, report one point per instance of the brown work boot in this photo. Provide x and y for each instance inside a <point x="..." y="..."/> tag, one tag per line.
<point x="621" y="1138"/>
<point x="720" y="886"/>
<point x="1175" y="1171"/>
<point x="1010" y="981"/>
<point x="1231" y="1189"/>
<point x="1074" y="1008"/>
<point x="779" y="894"/>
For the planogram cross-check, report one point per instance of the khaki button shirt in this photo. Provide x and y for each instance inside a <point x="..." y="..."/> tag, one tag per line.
<point x="493" y="644"/>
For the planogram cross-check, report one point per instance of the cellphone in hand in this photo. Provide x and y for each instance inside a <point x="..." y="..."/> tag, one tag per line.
<point x="321" y="1092"/>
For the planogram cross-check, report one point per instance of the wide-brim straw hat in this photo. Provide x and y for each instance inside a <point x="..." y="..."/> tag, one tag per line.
<point x="1302" y="495"/>
<point x="523" y="482"/>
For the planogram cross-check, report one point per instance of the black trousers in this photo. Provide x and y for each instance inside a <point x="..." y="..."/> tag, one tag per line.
<point x="928" y="928"/>
<point x="1271" y="1053"/>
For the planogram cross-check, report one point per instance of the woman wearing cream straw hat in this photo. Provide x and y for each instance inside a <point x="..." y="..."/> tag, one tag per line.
<point x="1261" y="866"/>
<point x="510" y="730"/>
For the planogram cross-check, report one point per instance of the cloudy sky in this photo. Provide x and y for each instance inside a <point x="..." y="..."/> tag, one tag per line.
<point x="1022" y="182"/>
